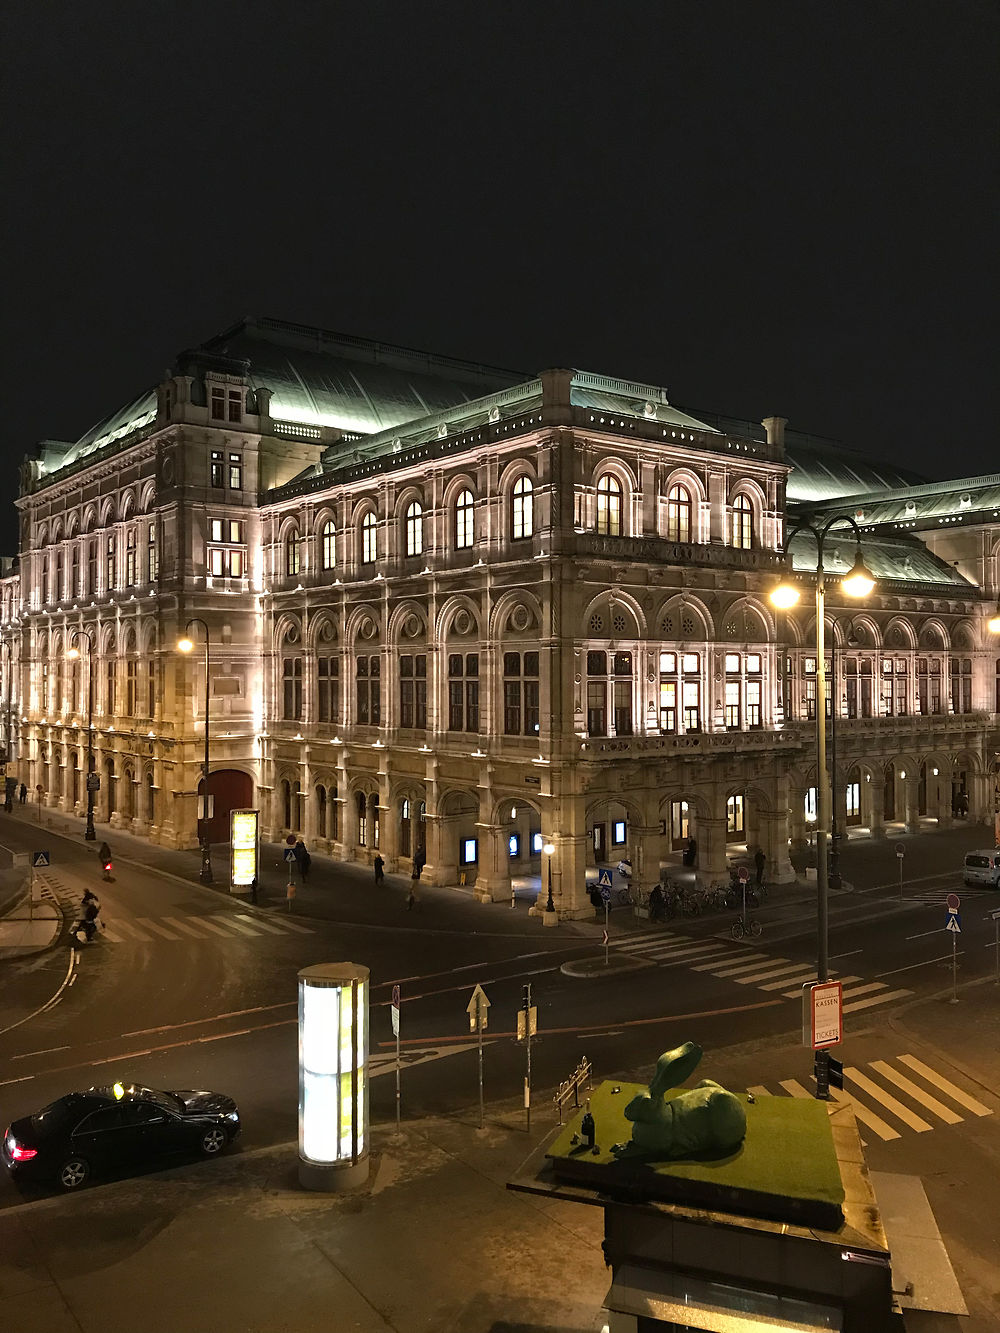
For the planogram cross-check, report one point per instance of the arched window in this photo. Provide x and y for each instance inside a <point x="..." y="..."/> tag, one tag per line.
<point x="742" y="523"/>
<point x="414" y="529"/>
<point x="465" y="530"/>
<point x="369" y="538"/>
<point x="521" y="524"/>
<point x="130" y="575"/>
<point x="609" y="506"/>
<point x="328" y="539"/>
<point x="678" y="514"/>
<point x="362" y="805"/>
<point x="293" y="553"/>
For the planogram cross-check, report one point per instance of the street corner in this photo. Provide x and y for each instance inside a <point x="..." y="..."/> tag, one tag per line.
<point x="30" y="928"/>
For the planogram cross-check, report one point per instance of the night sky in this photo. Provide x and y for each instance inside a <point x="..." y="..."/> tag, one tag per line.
<point x="766" y="207"/>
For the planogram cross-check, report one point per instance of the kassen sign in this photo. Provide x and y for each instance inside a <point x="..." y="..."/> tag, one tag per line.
<point x="822" y="1014"/>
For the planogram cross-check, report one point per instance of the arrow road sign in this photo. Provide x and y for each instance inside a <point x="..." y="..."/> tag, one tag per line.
<point x="476" y="1009"/>
<point x="604" y="878"/>
<point x="40" y="858"/>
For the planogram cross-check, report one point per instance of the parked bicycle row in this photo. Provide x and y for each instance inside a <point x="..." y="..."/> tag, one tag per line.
<point x="673" y="898"/>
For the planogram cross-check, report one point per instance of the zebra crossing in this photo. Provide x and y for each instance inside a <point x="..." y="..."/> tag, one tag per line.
<point x="749" y="967"/>
<point x="904" y="1091"/>
<point x="224" y="925"/>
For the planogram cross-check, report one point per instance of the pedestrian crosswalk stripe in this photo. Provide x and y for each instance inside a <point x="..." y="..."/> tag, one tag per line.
<point x="887" y="1100"/>
<point x="654" y="942"/>
<point x="157" y="929"/>
<point x="796" y="1089"/>
<point x="845" y="982"/>
<point x="184" y="927"/>
<point x="109" y="933"/>
<point x="743" y="967"/>
<point x="883" y="997"/>
<point x="769" y="974"/>
<point x="918" y="1094"/>
<point x="264" y="925"/>
<point x="293" y="925"/>
<point x="236" y="925"/>
<point x="797" y="993"/>
<point x="943" y="1084"/>
<point x="735" y="957"/>
<point x="807" y="975"/>
<point x="131" y="929"/>
<point x="699" y="951"/>
<point x="210" y="924"/>
<point x="862" y="1113"/>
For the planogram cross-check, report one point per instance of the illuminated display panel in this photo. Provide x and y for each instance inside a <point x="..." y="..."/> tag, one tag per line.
<point x="244" y="844"/>
<point x="333" y="1058"/>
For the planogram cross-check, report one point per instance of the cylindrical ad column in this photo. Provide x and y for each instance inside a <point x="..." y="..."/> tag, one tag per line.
<point x="333" y="1076"/>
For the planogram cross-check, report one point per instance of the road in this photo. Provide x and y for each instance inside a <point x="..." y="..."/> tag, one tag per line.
<point x="188" y="987"/>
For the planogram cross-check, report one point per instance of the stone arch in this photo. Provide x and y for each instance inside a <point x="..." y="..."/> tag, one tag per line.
<point x="407" y="624"/>
<point x="287" y="630"/>
<point x="502" y="612"/>
<point x="681" y="475"/>
<point x="933" y="635"/>
<point x="613" y="615"/>
<point x="746" y="620"/>
<point x="126" y="504"/>
<point x="73" y="524"/>
<point x="90" y="518"/>
<point x="459" y="615"/>
<point x="364" y="623"/>
<point x="147" y="500"/>
<point x="681" y="617"/>
<point x="57" y="530"/>
<point x="323" y="630"/>
<point x="963" y="637"/>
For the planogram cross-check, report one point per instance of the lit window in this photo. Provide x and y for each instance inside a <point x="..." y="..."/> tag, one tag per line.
<point x="218" y="470"/>
<point x="329" y="546"/>
<point x="521" y="509"/>
<point x="293" y="553"/>
<point x="414" y="529"/>
<point x="678" y="515"/>
<point x="236" y="472"/>
<point x="742" y="523"/>
<point x="609" y="506"/>
<point x="464" y="521"/>
<point x="369" y="538"/>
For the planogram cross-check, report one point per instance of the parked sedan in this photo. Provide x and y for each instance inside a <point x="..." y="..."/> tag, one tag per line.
<point x="114" y="1129"/>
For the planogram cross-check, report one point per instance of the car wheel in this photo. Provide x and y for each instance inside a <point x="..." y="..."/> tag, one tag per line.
<point x="73" y="1173"/>
<point x="213" y="1141"/>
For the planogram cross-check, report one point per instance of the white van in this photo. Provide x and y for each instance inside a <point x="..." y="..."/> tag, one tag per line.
<point x="983" y="867"/>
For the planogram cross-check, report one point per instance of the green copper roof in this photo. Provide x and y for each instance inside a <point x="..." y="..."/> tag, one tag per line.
<point x="901" y="559"/>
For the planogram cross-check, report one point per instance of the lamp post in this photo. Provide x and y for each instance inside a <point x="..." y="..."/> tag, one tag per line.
<point x="74" y="654"/>
<point x="548" y="848"/>
<point x="835" y="836"/>
<point x="186" y="645"/>
<point x="8" y="801"/>
<point x="857" y="583"/>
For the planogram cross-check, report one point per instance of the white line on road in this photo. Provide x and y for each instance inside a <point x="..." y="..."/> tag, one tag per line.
<point x="932" y="1104"/>
<point x="66" y="981"/>
<point x="834" y="957"/>
<point x="890" y="1102"/>
<point x="956" y="1094"/>
<point x="924" y="933"/>
<point x="944" y="958"/>
<point x="882" y="998"/>
<point x="49" y="1050"/>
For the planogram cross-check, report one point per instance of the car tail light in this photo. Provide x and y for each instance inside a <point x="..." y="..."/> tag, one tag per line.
<point x="19" y="1153"/>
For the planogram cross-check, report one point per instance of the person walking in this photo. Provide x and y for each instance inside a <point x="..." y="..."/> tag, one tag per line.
<point x="411" y="897"/>
<point x="379" y="868"/>
<point x="22" y="795"/>
<point x="760" y="861"/>
<point x="656" y="903"/>
<point x="303" y="859"/>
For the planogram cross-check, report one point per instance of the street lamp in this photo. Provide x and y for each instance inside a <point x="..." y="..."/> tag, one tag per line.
<point x="857" y="583"/>
<point x="852" y="642"/>
<point x="74" y="655"/>
<point x="548" y="848"/>
<point x="186" y="645"/>
<point x="8" y="800"/>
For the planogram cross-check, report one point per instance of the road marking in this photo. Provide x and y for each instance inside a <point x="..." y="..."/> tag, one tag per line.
<point x="795" y="1088"/>
<point x="210" y="924"/>
<point x="293" y="925"/>
<point x="159" y="930"/>
<point x="944" y="958"/>
<point x="184" y="926"/>
<point x="769" y="974"/>
<point x="797" y="994"/>
<point x="924" y="1098"/>
<point x="808" y="975"/>
<point x="735" y="971"/>
<point x="131" y="929"/>
<point x="887" y="1100"/>
<point x="109" y="933"/>
<point x="233" y="924"/>
<point x="701" y="952"/>
<point x="883" y="998"/>
<point x="740" y="957"/>
<point x="956" y="1094"/>
<point x="258" y="921"/>
<point x="924" y="933"/>
<point x="868" y="987"/>
<point x="837" y="956"/>
<point x="49" y="1050"/>
<point x="866" y="1117"/>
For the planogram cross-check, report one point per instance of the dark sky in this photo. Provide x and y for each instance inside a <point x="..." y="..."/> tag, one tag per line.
<point x="766" y="207"/>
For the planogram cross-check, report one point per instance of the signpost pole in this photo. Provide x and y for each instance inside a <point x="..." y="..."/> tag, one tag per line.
<point x="996" y="946"/>
<point x="527" y="1042"/>
<point x="482" y="1116"/>
<point x="954" y="927"/>
<point x="395" y="1024"/>
<point x="900" y="853"/>
<point x="954" y="968"/>
<point x="477" y="1009"/>
<point x="31" y="892"/>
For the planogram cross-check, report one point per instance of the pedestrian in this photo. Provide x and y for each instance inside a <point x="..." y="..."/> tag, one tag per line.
<point x="254" y="886"/>
<point x="690" y="852"/>
<point x="411" y="897"/>
<point x="759" y="860"/>
<point x="656" y="904"/>
<point x="22" y="795"/>
<point x="104" y="856"/>
<point x="419" y="861"/>
<point x="303" y="858"/>
<point x="379" y="868"/>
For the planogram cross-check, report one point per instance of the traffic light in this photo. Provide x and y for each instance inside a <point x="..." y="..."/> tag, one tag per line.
<point x="835" y="1072"/>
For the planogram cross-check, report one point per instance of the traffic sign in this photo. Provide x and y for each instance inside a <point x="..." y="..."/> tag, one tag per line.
<point x="604" y="878"/>
<point x="476" y="1009"/>
<point x="954" y="924"/>
<point x="744" y="874"/>
<point x="527" y="1022"/>
<point x="822" y="1014"/>
<point x="900" y="850"/>
<point x="395" y="997"/>
<point x="40" y="859"/>
<point x="954" y="902"/>
<point x="93" y="782"/>
<point x="290" y="854"/>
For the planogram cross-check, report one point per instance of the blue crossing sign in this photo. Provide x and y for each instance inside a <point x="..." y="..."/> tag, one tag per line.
<point x="40" y="859"/>
<point x="604" y="878"/>
<point x="290" y="854"/>
<point x="954" y="921"/>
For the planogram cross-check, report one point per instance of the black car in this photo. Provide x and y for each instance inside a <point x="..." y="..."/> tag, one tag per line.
<point x="115" y="1128"/>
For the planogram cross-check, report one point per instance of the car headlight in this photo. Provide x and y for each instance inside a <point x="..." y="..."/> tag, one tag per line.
<point x="232" y="1115"/>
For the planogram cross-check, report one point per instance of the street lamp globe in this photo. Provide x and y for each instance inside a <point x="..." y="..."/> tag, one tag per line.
<point x="859" y="582"/>
<point x="185" y="645"/>
<point x="784" y="596"/>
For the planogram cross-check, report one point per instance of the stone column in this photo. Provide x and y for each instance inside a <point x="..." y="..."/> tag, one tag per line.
<point x="774" y="840"/>
<point x="645" y="846"/>
<point x="388" y="825"/>
<point x="911" y="814"/>
<point x="797" y="817"/>
<point x="493" y="879"/>
<point x="875" y="799"/>
<point x="712" y="863"/>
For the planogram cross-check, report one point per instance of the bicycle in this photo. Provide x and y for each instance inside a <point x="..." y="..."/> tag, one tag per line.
<point x="746" y="926"/>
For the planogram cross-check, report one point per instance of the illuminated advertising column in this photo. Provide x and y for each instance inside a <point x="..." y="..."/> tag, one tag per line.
<point x="333" y="1076"/>
<point x="243" y="840"/>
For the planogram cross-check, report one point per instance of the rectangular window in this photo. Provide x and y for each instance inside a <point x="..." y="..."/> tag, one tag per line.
<point x="692" y="705"/>
<point x="109" y="564"/>
<point x="463" y="692"/>
<point x="131" y="668"/>
<point x="520" y="694"/>
<point x="413" y="691"/>
<point x="218" y="403"/>
<point x="236" y="405"/>
<point x="597" y="706"/>
<point x="291" y="669"/>
<point x="734" y="816"/>
<point x="369" y="691"/>
<point x="732" y="663"/>
<point x="732" y="705"/>
<point x="110" y="680"/>
<point x="328" y="689"/>
<point x="753" y="696"/>
<point x="668" y="705"/>
<point x="536" y="843"/>
<point x="217" y="471"/>
<point x="668" y="663"/>
<point x="152" y="556"/>
<point x="235" y="472"/>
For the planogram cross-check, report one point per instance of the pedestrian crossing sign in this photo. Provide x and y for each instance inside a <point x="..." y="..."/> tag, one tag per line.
<point x="290" y="854"/>
<point x="953" y="925"/>
<point x="604" y="878"/>
<point x="40" y="858"/>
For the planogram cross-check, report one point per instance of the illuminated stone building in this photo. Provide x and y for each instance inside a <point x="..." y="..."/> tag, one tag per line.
<point x="470" y="612"/>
